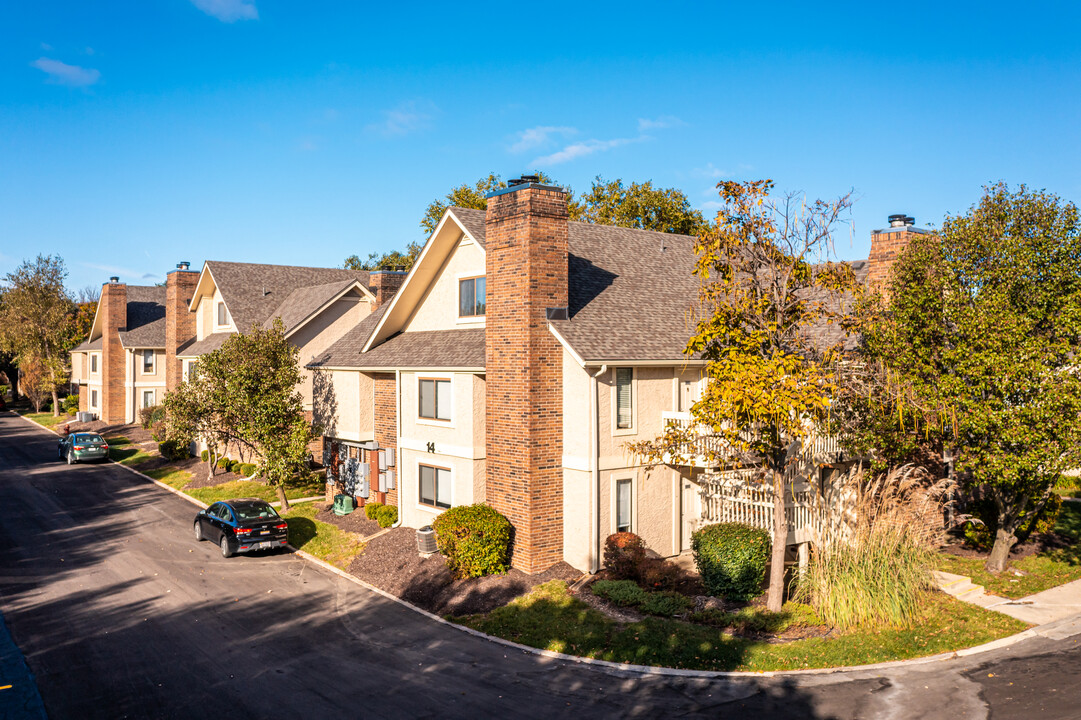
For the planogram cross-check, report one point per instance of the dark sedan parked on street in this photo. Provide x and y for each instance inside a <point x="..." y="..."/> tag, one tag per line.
<point x="81" y="446"/>
<point x="242" y="525"/>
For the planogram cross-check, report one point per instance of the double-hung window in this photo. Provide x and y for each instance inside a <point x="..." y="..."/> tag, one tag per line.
<point x="434" y="486"/>
<point x="434" y="395"/>
<point x="624" y="398"/>
<point x="148" y="362"/>
<point x="93" y="362"/>
<point x="148" y="398"/>
<point x="471" y="297"/>
<point x="223" y="315"/>
<point x="94" y="398"/>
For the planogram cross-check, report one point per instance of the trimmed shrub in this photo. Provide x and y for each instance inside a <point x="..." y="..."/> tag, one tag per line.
<point x="666" y="604"/>
<point x="224" y="463"/>
<point x="474" y="539"/>
<point x="732" y="559"/>
<point x="624" y="553"/>
<point x="621" y="592"/>
<point x="659" y="574"/>
<point x="71" y="404"/>
<point x="249" y="469"/>
<point x="204" y="455"/>
<point x="371" y="510"/>
<point x="174" y="450"/>
<point x="386" y="516"/>
<point x="149" y="416"/>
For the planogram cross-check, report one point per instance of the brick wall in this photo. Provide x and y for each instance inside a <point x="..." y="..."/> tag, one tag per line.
<point x="386" y="430"/>
<point x="113" y="307"/>
<point x="179" y="322"/>
<point x="384" y="283"/>
<point x="526" y="268"/>
<point x="886" y="247"/>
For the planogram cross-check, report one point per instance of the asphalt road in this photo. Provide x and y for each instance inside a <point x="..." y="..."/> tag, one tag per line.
<point x="120" y="613"/>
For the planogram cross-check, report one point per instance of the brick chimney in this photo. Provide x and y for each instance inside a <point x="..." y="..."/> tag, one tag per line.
<point x="384" y="283"/>
<point x="114" y="314"/>
<point x="887" y="245"/>
<point x="526" y="269"/>
<point x="179" y="321"/>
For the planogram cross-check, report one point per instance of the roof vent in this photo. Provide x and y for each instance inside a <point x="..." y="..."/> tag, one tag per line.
<point x="524" y="180"/>
<point x="183" y="265"/>
<point x="114" y="280"/>
<point x="909" y="220"/>
<point x="898" y="220"/>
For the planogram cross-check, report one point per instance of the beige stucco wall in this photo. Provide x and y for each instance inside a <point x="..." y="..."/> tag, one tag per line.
<point x="439" y="308"/>
<point x="341" y="403"/>
<point x="577" y="514"/>
<point x="466" y="474"/>
<point x="136" y="381"/>
<point x="206" y="316"/>
<point x="78" y="367"/>
<point x="94" y="377"/>
<point x="460" y="432"/>
<point x="655" y="506"/>
<point x="324" y="330"/>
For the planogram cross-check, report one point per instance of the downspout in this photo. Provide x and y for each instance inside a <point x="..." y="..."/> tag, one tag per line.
<point x="397" y="438"/>
<point x="595" y="471"/>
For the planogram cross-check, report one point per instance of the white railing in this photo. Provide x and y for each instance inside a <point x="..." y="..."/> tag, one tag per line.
<point x="816" y="448"/>
<point x="739" y="496"/>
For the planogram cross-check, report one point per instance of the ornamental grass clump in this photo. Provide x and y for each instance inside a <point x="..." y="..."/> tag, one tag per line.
<point x="872" y="565"/>
<point x="474" y="539"/>
<point x="731" y="558"/>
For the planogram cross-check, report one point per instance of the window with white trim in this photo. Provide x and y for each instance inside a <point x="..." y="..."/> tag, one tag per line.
<point x="223" y="315"/>
<point x="94" y="399"/>
<point x="624" y="378"/>
<point x="624" y="505"/>
<point x="472" y="296"/>
<point x="148" y="398"/>
<point x="434" y="486"/>
<point x="93" y="362"/>
<point x="433" y="398"/>
<point x="148" y="362"/>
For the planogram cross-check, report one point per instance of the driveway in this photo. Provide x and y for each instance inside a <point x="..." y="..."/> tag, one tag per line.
<point x="120" y="613"/>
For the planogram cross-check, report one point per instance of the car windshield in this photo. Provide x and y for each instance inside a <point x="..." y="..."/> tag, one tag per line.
<point x="88" y="438"/>
<point x="252" y="511"/>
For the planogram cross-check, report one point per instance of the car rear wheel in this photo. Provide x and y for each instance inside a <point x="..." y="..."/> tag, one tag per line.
<point x="199" y="532"/>
<point x="226" y="551"/>
<point x="71" y="457"/>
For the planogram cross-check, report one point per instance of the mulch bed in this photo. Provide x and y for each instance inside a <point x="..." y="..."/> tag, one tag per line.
<point x="391" y="562"/>
<point x="1035" y="545"/>
<point x="355" y="522"/>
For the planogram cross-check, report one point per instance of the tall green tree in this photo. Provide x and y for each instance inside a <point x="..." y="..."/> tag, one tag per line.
<point x="36" y="323"/>
<point x="245" y="396"/>
<point x="979" y="340"/>
<point x="767" y="284"/>
<point x="641" y="206"/>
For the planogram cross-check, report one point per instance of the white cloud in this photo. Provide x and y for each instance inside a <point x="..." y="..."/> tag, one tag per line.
<point x="581" y="149"/>
<point x="404" y="119"/>
<point x="664" y="121"/>
<point x="537" y="136"/>
<point x="61" y="73"/>
<point x="228" y="10"/>
<point x="710" y="171"/>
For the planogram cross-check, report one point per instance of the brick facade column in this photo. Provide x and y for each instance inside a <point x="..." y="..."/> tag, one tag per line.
<point x="179" y="321"/>
<point x="386" y="432"/>
<point x="384" y="283"/>
<point x="526" y="268"/>
<point x="113" y="307"/>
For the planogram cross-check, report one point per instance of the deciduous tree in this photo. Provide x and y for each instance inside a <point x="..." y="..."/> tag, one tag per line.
<point x="768" y="291"/>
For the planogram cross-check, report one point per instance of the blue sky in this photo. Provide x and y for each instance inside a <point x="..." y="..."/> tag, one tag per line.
<point x="137" y="134"/>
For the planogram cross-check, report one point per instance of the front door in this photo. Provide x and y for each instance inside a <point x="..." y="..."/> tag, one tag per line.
<point x="688" y="512"/>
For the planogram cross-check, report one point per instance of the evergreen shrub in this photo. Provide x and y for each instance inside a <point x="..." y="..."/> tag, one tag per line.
<point x="732" y="559"/>
<point x="474" y="539"/>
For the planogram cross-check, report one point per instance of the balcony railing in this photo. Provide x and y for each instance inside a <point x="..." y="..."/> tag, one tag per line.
<point x="741" y="496"/>
<point x="705" y="444"/>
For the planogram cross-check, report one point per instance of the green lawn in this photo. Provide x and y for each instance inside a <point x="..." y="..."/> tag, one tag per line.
<point x="550" y="618"/>
<point x="124" y="452"/>
<point x="1040" y="572"/>
<point x="249" y="488"/>
<point x="323" y="540"/>
<point x="44" y="418"/>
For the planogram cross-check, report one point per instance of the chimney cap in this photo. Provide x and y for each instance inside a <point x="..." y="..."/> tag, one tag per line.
<point x="523" y="182"/>
<point x="183" y="265"/>
<point x="115" y="279"/>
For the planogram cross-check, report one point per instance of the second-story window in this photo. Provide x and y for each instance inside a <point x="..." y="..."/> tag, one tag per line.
<point x="471" y="297"/>
<point x="148" y="362"/>
<point x="434" y="399"/>
<point x="93" y="363"/>
<point x="624" y="398"/>
<point x="223" y="315"/>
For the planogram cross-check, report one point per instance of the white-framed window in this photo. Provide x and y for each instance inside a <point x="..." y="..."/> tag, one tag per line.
<point x="623" y="400"/>
<point x="623" y="505"/>
<point x="434" y="398"/>
<point x="93" y="362"/>
<point x="148" y="362"/>
<point x="190" y="369"/>
<point x="222" y="317"/>
<point x="148" y="398"/>
<point x="472" y="297"/>
<point x="434" y="484"/>
<point x="94" y="399"/>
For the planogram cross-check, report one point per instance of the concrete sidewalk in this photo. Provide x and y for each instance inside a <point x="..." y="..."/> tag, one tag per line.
<point x="1051" y="605"/>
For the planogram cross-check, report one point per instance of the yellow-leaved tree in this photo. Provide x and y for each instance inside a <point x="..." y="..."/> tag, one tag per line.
<point x="773" y="308"/>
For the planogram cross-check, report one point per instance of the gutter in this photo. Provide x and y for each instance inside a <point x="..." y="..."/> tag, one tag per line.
<point x="398" y="439"/>
<point x="595" y="471"/>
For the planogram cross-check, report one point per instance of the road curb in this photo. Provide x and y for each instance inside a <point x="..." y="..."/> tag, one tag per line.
<point x="627" y="668"/>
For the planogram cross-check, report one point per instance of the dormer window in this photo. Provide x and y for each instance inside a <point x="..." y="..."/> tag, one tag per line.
<point x="471" y="297"/>
<point x="223" y="315"/>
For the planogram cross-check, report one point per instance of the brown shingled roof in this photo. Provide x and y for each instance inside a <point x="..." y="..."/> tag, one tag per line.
<point x="195" y="348"/>
<point x="304" y="301"/>
<point x="146" y="317"/>
<point x="346" y="351"/>
<point x="441" y="349"/>
<point x="254" y="292"/>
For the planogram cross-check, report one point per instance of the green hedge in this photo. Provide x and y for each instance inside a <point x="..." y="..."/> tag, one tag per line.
<point x="474" y="539"/>
<point x="173" y="450"/>
<point x="385" y="515"/>
<point x="731" y="559"/>
<point x="245" y="469"/>
<point x="204" y="455"/>
<point x="372" y="509"/>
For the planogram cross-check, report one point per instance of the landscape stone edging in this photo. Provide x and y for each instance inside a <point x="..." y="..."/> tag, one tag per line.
<point x="607" y="664"/>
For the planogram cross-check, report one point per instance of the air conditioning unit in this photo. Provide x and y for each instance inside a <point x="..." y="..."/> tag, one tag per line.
<point x="426" y="540"/>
